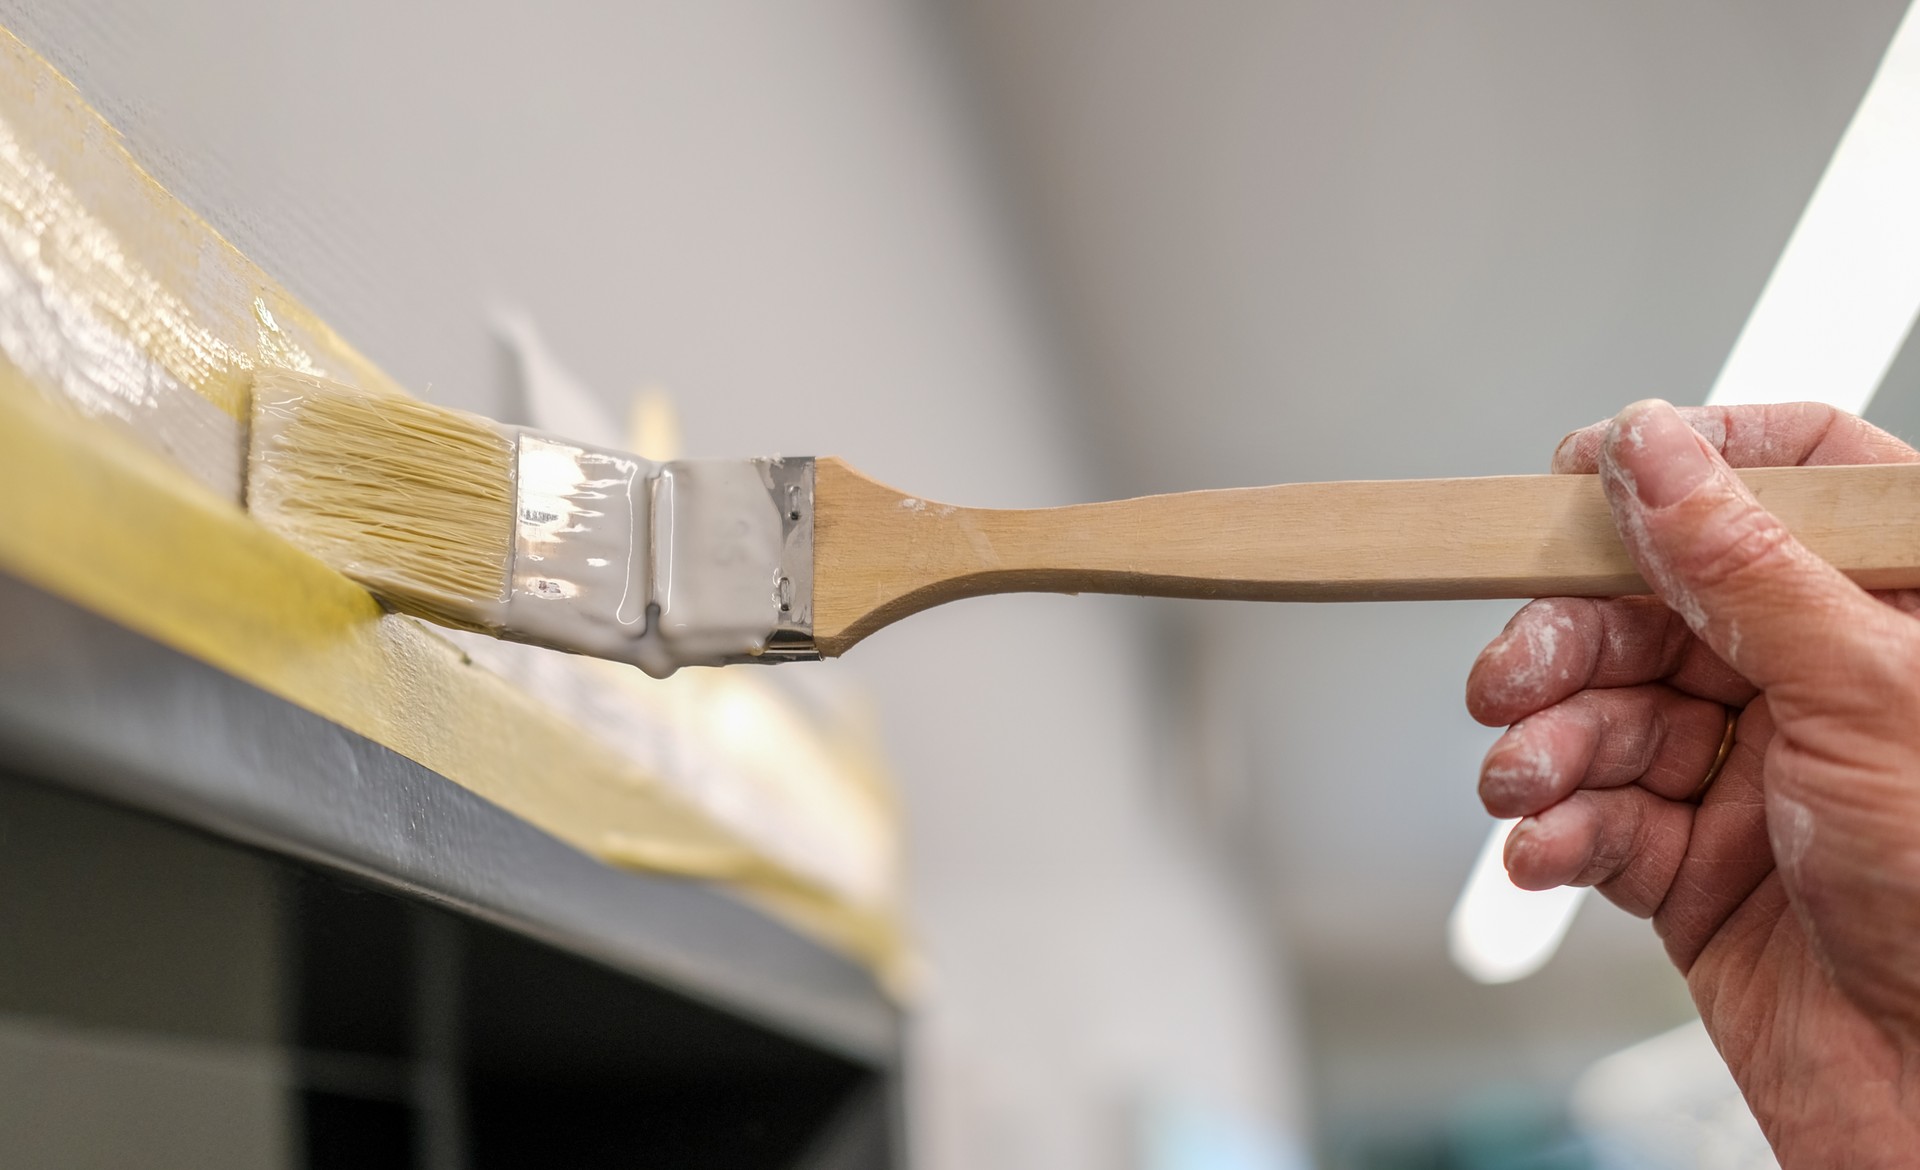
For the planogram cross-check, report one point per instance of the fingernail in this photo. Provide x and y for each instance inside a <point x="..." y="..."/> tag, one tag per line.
<point x="1520" y="840"/>
<point x="1656" y="452"/>
<point x="1560" y="451"/>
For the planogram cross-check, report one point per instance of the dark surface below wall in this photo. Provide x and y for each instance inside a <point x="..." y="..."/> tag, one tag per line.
<point x="168" y="998"/>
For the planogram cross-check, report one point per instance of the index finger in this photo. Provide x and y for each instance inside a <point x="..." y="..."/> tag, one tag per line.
<point x="1784" y="434"/>
<point x="1559" y="646"/>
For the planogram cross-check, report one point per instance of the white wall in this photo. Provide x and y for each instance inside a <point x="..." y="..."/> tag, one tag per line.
<point x="1349" y="239"/>
<point x="780" y="214"/>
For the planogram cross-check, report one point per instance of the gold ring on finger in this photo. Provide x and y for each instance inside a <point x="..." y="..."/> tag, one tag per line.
<point x="1720" y="758"/>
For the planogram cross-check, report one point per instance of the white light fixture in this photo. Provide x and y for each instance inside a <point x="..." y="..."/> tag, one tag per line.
<point x="1829" y="323"/>
<point x="1842" y="298"/>
<point x="1499" y="932"/>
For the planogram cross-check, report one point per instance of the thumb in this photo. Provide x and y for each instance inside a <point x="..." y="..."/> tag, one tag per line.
<point x="1774" y="611"/>
<point x="1842" y="687"/>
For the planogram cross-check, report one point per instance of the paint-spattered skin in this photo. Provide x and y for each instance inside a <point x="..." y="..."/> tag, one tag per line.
<point x="1785" y="884"/>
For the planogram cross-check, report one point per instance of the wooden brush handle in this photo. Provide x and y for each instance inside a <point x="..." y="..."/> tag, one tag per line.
<point x="880" y="554"/>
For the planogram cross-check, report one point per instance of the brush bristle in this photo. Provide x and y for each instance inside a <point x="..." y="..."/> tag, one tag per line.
<point x="416" y="502"/>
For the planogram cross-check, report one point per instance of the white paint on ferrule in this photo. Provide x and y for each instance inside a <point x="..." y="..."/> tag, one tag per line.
<point x="719" y="537"/>
<point x="661" y="565"/>
<point x="581" y="575"/>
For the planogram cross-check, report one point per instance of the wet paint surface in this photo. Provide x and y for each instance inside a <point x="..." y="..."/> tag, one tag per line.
<point x="124" y="302"/>
<point x="130" y="329"/>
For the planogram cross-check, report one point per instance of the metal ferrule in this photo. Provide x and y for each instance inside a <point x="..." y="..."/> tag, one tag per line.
<point x="696" y="562"/>
<point x="732" y="562"/>
<point x="791" y="483"/>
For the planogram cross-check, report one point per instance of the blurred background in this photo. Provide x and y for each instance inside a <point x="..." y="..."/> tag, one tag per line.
<point x="1179" y="874"/>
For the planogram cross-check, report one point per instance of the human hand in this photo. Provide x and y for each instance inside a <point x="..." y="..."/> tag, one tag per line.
<point x="1788" y="893"/>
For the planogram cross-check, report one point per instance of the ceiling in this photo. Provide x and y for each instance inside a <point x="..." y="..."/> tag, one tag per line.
<point x="1364" y="239"/>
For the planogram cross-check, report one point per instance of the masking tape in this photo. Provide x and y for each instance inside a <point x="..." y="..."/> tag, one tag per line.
<point x="130" y="331"/>
<point x="104" y="523"/>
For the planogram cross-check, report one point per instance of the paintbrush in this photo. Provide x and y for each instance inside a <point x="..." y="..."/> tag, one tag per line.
<point x="537" y="538"/>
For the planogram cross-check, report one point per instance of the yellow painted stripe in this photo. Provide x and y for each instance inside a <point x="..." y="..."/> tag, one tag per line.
<point x="137" y="259"/>
<point x="133" y="512"/>
<point x="101" y="521"/>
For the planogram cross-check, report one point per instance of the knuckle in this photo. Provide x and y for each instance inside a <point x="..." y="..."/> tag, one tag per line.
<point x="1752" y="543"/>
<point x="1635" y="831"/>
<point x="1615" y="846"/>
<point x="1608" y="862"/>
